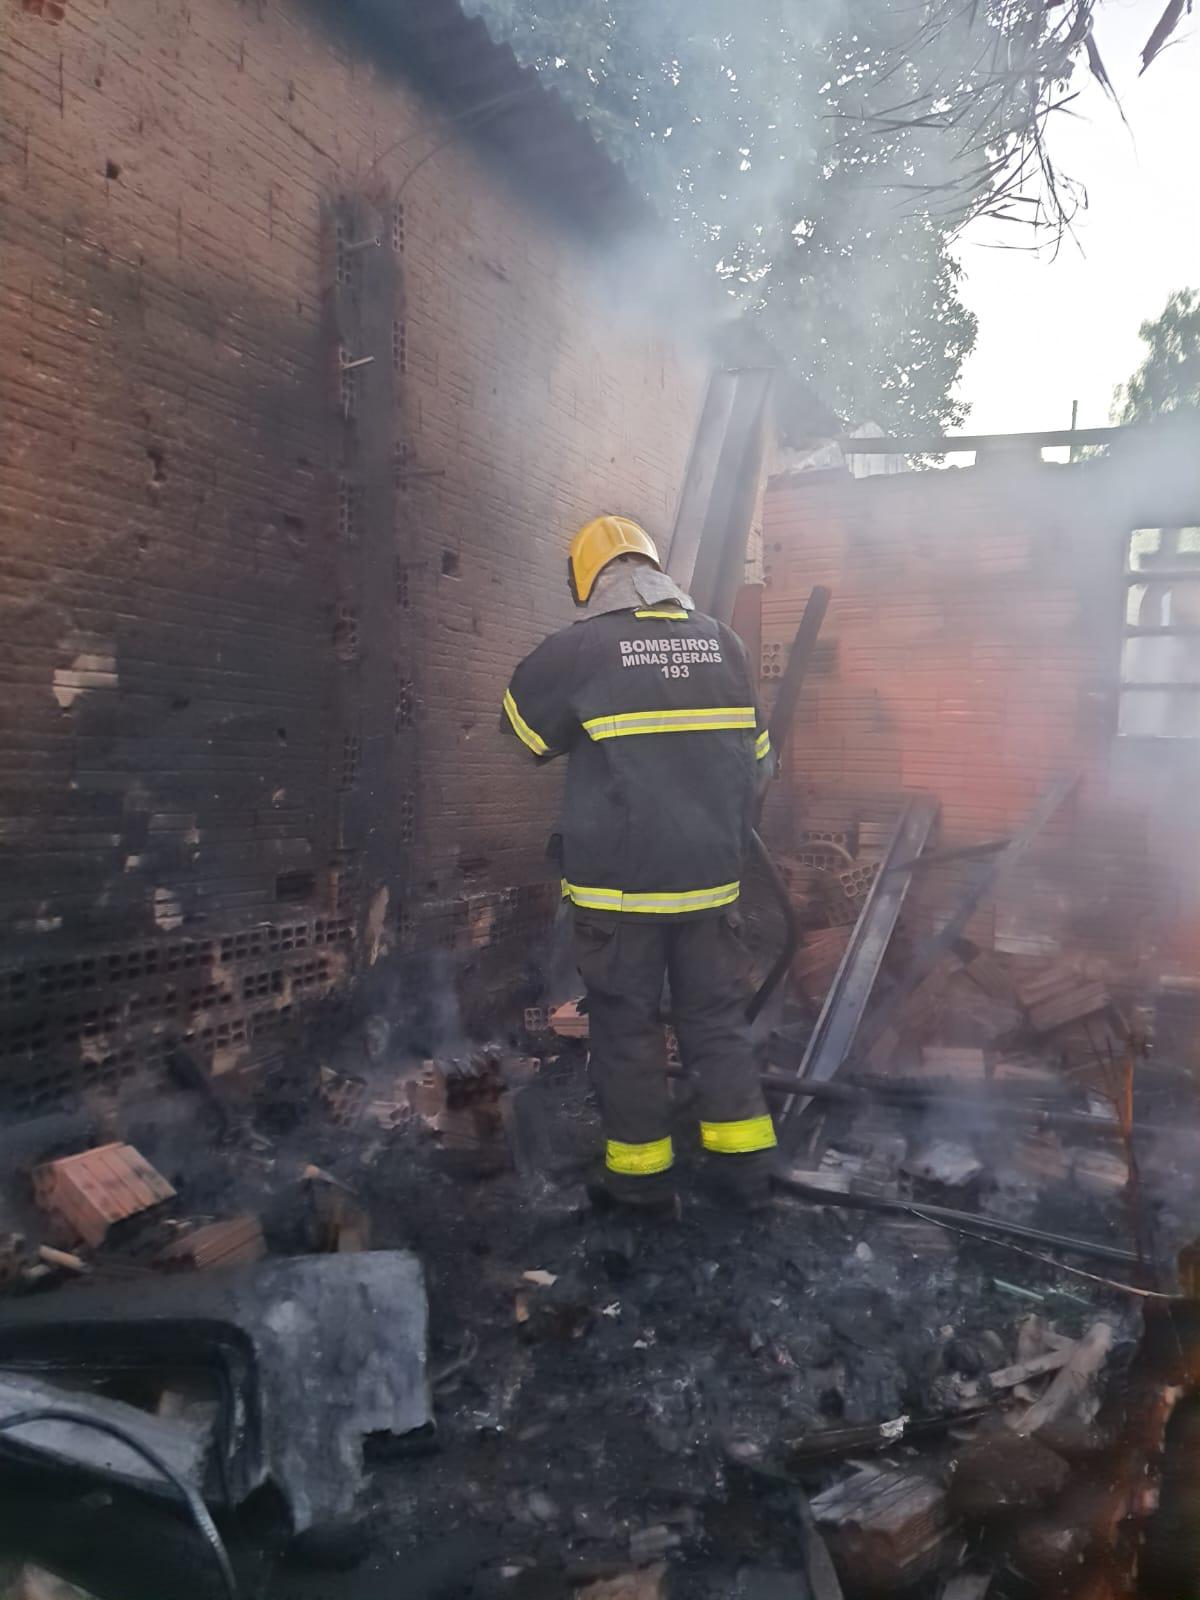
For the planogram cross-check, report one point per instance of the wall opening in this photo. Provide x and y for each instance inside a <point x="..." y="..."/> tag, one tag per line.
<point x="1160" y="650"/>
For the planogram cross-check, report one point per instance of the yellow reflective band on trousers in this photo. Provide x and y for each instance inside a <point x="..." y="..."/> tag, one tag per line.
<point x="762" y="745"/>
<point x="702" y="719"/>
<point x="661" y="904"/>
<point x="738" y="1138"/>
<point x="675" y="614"/>
<point x="639" y="1160"/>
<point x="521" y="728"/>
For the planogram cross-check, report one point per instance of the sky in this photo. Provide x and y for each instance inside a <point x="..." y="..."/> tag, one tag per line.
<point x="1064" y="327"/>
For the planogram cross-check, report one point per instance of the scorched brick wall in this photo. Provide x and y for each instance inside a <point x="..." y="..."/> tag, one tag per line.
<point x="262" y="589"/>
<point x="972" y="650"/>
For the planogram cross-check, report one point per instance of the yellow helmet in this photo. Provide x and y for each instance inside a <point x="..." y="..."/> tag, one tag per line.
<point x="600" y="541"/>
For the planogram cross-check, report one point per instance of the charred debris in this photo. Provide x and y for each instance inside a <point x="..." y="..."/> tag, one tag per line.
<point x="368" y="1334"/>
<point x="361" y="1329"/>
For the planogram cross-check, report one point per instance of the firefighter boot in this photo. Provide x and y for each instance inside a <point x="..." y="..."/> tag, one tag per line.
<point x="740" y="1182"/>
<point x="654" y="1197"/>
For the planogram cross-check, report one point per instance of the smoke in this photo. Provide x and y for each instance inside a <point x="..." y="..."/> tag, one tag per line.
<point x="815" y="161"/>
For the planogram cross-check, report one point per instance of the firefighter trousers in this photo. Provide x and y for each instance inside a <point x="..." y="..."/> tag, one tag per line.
<point x="623" y="961"/>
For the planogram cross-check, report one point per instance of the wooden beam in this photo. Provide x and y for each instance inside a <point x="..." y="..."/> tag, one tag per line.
<point x="956" y="443"/>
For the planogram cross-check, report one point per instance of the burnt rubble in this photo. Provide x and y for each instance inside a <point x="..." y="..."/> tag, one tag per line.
<point x="942" y="1363"/>
<point x="688" y="1408"/>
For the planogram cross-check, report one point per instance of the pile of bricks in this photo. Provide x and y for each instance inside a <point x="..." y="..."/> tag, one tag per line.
<point x="95" y="1189"/>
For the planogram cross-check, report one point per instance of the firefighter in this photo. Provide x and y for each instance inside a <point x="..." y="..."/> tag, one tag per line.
<point x="653" y="706"/>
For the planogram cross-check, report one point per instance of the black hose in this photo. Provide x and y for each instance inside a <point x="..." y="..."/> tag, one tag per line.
<point x="205" y="1525"/>
<point x="791" y="927"/>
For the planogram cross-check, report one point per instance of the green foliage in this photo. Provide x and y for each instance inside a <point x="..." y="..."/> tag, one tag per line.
<point x="818" y="156"/>
<point x="1169" y="378"/>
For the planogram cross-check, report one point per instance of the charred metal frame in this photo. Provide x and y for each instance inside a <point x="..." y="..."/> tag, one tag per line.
<point x="850" y="992"/>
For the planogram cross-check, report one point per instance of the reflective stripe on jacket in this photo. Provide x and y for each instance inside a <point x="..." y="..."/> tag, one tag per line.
<point x="656" y="711"/>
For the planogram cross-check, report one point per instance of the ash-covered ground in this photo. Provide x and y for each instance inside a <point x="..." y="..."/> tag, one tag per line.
<point x="619" y="1393"/>
<point x="647" y="1399"/>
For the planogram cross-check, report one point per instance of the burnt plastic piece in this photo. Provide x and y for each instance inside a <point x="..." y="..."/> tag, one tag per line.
<point x="314" y="1355"/>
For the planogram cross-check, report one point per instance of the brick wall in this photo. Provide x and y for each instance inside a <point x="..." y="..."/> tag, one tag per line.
<point x="252" y="646"/>
<point x="541" y="408"/>
<point x="972" y="650"/>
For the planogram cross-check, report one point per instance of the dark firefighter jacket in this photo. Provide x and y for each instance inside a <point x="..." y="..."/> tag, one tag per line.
<point x="656" y="712"/>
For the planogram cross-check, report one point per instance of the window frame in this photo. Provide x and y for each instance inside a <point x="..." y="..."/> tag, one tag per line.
<point x="1178" y="571"/>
